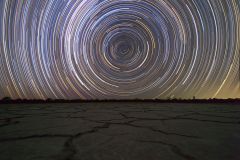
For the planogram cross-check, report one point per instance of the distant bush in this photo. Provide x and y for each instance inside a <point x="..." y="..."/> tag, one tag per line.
<point x="7" y="99"/>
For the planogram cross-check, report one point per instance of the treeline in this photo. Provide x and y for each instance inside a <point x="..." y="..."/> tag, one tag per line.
<point x="8" y="100"/>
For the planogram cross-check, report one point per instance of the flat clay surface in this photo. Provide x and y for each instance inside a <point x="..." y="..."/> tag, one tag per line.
<point x="120" y="131"/>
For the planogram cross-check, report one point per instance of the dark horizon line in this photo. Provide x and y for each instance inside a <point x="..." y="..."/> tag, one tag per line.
<point x="8" y="100"/>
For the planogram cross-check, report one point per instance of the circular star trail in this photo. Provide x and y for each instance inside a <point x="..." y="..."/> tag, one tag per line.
<point x="119" y="49"/>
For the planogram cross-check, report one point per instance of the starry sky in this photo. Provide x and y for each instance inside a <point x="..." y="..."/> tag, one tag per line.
<point x="119" y="49"/>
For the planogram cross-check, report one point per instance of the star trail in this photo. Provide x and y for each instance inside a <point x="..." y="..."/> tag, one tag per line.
<point x="119" y="49"/>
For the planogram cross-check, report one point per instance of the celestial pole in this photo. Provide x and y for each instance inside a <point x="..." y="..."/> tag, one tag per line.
<point x="119" y="49"/>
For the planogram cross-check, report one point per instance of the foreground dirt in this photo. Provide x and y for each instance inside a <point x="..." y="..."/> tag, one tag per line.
<point x="120" y="131"/>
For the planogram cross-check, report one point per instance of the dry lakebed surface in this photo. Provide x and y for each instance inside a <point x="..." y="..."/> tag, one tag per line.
<point x="119" y="131"/>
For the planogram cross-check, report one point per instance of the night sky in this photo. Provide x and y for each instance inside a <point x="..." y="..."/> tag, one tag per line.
<point x="119" y="49"/>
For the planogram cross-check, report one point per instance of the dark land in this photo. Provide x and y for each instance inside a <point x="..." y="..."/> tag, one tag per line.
<point x="7" y="100"/>
<point x="120" y="130"/>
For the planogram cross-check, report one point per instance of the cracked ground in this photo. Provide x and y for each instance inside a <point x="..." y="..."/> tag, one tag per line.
<point x="119" y="131"/>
